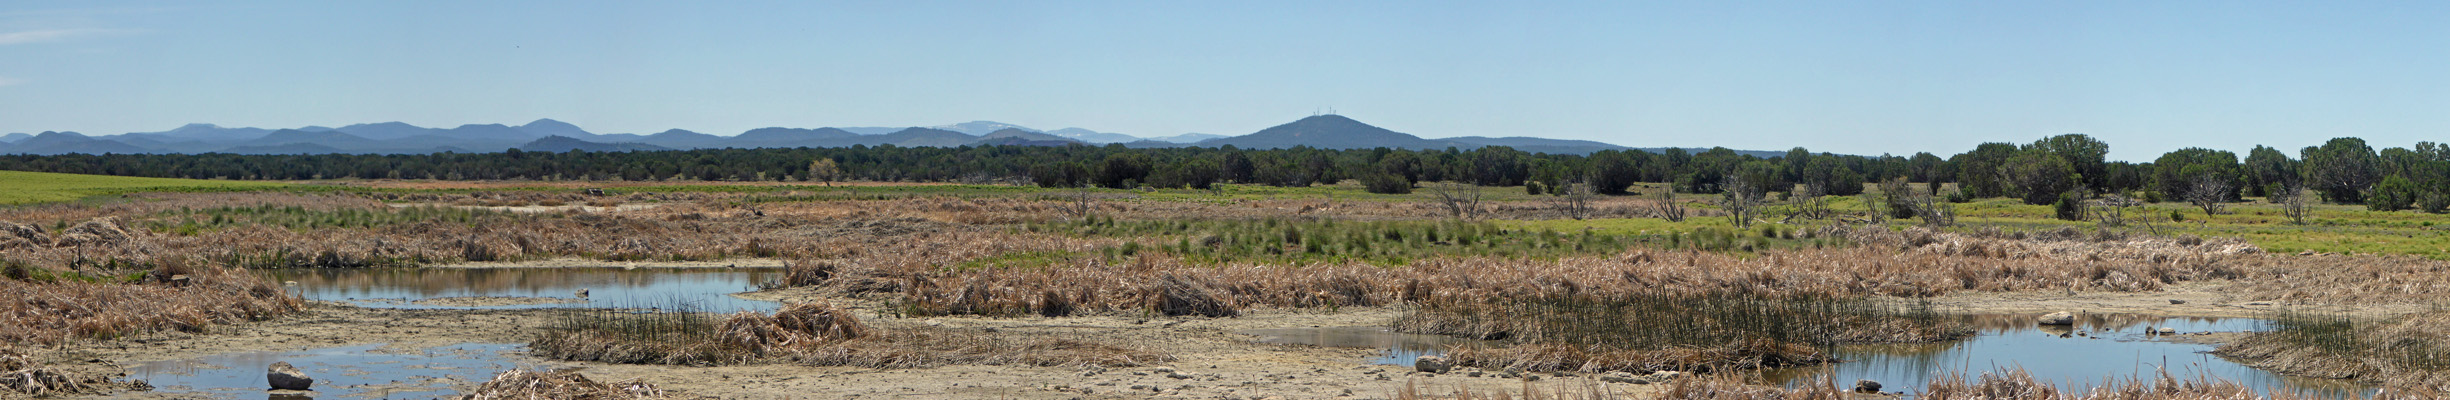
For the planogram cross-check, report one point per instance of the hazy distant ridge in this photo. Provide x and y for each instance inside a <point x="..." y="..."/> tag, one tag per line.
<point x="1319" y="131"/>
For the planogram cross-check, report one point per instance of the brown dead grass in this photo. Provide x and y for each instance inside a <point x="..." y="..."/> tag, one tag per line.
<point x="59" y="311"/>
<point x="26" y="373"/>
<point x="519" y="384"/>
<point x="817" y="334"/>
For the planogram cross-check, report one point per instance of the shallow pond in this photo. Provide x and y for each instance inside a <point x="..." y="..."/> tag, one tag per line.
<point x="1401" y="348"/>
<point x="2099" y="347"/>
<point x="705" y="289"/>
<point x="350" y="372"/>
<point x="2096" y="349"/>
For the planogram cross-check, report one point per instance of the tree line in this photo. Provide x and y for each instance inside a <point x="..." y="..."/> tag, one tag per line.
<point x="2046" y="171"/>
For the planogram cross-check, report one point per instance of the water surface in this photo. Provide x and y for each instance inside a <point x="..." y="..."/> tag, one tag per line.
<point x="2098" y="348"/>
<point x="707" y="289"/>
<point x="367" y="371"/>
<point x="1400" y="348"/>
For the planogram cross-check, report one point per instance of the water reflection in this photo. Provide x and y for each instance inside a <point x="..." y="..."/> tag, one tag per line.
<point x="709" y="289"/>
<point x="361" y="371"/>
<point x="1401" y="348"/>
<point x="2097" y="349"/>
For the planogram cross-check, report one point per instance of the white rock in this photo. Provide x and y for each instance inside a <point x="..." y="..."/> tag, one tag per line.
<point x="2058" y="318"/>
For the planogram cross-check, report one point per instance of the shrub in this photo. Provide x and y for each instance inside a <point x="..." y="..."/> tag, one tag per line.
<point x="1386" y="184"/>
<point x="2393" y="194"/>
<point x="1960" y="197"/>
<point x="2069" y="207"/>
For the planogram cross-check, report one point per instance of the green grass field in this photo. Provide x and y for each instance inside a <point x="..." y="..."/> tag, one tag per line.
<point x="18" y="187"/>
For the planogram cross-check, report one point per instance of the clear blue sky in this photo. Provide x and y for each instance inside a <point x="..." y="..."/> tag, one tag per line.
<point x="1850" y="77"/>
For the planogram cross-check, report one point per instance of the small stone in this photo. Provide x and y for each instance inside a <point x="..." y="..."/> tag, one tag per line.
<point x="287" y="377"/>
<point x="2057" y="318"/>
<point x="2168" y="331"/>
<point x="1432" y="364"/>
<point x="582" y="293"/>
<point x="2176" y="301"/>
<point x="1867" y="386"/>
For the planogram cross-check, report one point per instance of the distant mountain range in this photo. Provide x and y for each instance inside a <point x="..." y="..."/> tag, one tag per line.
<point x="1321" y="131"/>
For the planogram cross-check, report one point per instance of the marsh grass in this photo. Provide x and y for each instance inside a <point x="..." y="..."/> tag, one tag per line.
<point x="671" y="332"/>
<point x="2405" y="352"/>
<point x="1646" y="332"/>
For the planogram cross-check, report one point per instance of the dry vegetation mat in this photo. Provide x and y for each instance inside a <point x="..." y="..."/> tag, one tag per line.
<point x="52" y="306"/>
<point x="810" y="334"/>
<point x="559" y="385"/>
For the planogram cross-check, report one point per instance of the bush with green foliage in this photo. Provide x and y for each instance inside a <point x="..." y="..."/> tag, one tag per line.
<point x="2069" y="207"/>
<point x="2393" y="194"/>
<point x="1386" y="184"/>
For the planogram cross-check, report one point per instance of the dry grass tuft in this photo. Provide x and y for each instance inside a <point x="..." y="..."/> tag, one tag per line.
<point x="63" y="309"/>
<point x="532" y="385"/>
<point x="823" y="321"/>
<point x="25" y="373"/>
<point x="813" y="334"/>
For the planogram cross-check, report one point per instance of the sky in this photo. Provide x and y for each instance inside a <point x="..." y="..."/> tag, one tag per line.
<point x="1867" y="77"/>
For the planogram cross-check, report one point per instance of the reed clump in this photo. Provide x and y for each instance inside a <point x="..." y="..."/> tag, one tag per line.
<point x="1671" y="331"/>
<point x="2406" y="352"/>
<point x="520" y="384"/>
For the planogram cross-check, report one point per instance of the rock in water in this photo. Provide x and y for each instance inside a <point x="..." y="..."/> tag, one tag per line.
<point x="2058" y="318"/>
<point x="1432" y="364"/>
<point x="582" y="293"/>
<point x="288" y="377"/>
<point x="2168" y="331"/>
<point x="1867" y="386"/>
